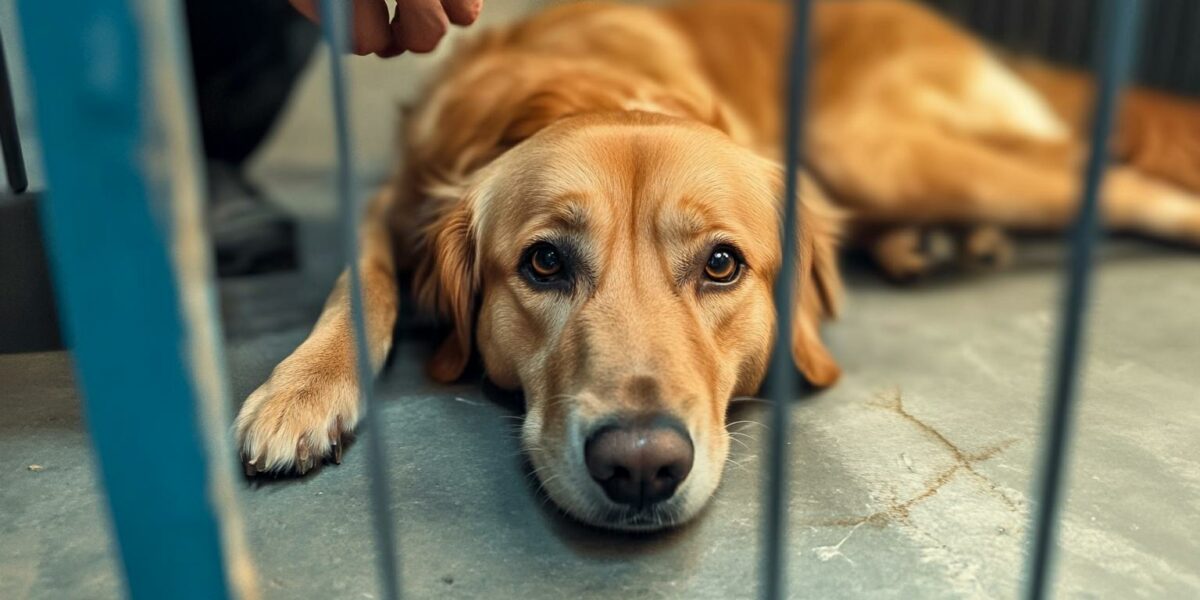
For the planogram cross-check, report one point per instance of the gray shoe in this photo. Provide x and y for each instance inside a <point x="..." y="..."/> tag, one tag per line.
<point x="250" y="236"/>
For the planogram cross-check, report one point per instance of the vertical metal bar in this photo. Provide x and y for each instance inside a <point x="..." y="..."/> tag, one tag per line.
<point x="336" y="19"/>
<point x="10" y="139"/>
<point x="1074" y="28"/>
<point x="977" y="17"/>
<point x="782" y="382"/>
<point x="1168" y="32"/>
<point x="1191" y="62"/>
<point x="1014" y="24"/>
<point x="1113" y="58"/>
<point x="122" y="215"/>
<point x="1146" y="58"/>
<point x="959" y="11"/>
<point x="1045" y="26"/>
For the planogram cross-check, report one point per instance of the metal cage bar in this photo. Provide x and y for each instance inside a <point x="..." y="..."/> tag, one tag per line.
<point x="1171" y="18"/>
<point x="336" y="20"/>
<point x="1190" y="59"/>
<point x="10" y="140"/>
<point x="123" y="218"/>
<point x="782" y="382"/>
<point x="1114" y="56"/>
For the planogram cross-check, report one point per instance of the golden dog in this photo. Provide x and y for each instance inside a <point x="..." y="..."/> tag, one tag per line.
<point x="591" y="199"/>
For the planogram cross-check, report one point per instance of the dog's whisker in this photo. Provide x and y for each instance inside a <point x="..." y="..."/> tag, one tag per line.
<point x="541" y="489"/>
<point x="758" y="423"/>
<point x="743" y="439"/>
<point x="538" y="470"/>
<point x="739" y="465"/>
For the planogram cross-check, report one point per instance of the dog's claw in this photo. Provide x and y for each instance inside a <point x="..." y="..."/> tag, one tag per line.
<point x="303" y="458"/>
<point x="335" y="437"/>
<point x="251" y="471"/>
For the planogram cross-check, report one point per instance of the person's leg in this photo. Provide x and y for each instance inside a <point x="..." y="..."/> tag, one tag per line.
<point x="246" y="58"/>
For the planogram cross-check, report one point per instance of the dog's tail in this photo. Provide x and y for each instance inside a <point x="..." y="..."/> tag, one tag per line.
<point x="1157" y="133"/>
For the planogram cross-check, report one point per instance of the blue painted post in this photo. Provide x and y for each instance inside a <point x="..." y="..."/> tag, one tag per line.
<point x="122" y="214"/>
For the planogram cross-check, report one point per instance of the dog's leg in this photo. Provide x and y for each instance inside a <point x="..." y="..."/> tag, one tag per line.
<point x="918" y="176"/>
<point x="1157" y="133"/>
<point x="297" y="417"/>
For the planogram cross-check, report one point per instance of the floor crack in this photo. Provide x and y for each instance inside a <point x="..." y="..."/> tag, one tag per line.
<point x="899" y="511"/>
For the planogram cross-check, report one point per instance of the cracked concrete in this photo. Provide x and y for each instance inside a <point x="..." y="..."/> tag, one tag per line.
<point x="910" y="479"/>
<point x="899" y="511"/>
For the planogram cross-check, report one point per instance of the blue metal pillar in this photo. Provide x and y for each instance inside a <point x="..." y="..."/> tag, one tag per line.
<point x="122" y="217"/>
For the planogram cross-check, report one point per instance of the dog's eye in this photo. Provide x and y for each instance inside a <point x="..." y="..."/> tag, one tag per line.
<point x="545" y="262"/>
<point x="723" y="265"/>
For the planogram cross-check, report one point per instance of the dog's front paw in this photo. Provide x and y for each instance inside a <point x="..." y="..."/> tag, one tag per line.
<point x="296" y="419"/>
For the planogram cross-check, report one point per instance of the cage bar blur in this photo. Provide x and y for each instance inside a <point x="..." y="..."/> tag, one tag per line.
<point x="122" y="214"/>
<point x="1114" y="55"/>
<point x="335" y="21"/>
<point x="782" y="382"/>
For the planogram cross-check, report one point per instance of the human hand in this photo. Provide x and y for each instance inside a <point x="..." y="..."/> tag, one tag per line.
<point x="418" y="25"/>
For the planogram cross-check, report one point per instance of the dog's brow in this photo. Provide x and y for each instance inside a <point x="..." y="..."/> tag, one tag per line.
<point x="685" y="224"/>
<point x="566" y="212"/>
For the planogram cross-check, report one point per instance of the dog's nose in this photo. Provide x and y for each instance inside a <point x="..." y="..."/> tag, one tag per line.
<point x="640" y="464"/>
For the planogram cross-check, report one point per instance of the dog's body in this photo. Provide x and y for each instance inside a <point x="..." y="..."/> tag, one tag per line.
<point x="590" y="198"/>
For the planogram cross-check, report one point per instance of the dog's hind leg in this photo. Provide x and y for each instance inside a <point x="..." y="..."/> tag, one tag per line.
<point x="919" y="176"/>
<point x="1157" y="132"/>
<point x="985" y="247"/>
<point x="907" y="253"/>
<point x="297" y="417"/>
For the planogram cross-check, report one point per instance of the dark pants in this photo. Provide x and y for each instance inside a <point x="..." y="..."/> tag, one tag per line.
<point x="247" y="55"/>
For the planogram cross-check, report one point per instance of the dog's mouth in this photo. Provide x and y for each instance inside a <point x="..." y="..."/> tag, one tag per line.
<point x="651" y="518"/>
<point x="583" y="501"/>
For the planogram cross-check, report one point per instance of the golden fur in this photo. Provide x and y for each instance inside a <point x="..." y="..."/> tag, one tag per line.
<point x="641" y="137"/>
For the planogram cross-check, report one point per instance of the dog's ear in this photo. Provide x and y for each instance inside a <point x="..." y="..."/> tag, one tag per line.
<point x="446" y="281"/>
<point x="820" y="284"/>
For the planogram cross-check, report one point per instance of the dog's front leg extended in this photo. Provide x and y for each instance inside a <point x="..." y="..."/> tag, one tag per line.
<point x="297" y="417"/>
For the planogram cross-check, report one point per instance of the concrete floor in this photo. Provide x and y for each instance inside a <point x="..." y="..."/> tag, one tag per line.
<point x="911" y="478"/>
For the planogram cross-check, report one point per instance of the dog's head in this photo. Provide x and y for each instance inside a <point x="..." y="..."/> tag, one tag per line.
<point x="619" y="269"/>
